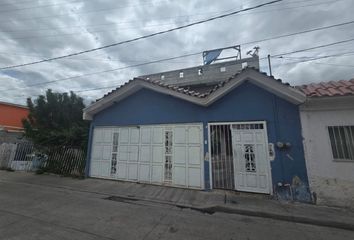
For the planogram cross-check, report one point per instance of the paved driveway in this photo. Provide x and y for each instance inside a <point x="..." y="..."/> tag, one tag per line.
<point x="34" y="211"/>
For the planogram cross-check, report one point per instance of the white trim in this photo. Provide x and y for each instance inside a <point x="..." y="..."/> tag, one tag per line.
<point x="244" y="122"/>
<point x="288" y="93"/>
<point x="270" y="181"/>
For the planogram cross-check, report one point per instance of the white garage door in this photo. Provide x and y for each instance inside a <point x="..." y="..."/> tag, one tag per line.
<point x="160" y="154"/>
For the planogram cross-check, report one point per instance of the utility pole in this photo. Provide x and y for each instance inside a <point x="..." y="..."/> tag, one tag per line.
<point x="270" y="66"/>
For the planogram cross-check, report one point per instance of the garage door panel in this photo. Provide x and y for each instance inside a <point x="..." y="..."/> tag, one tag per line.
<point x="194" y="155"/>
<point x="97" y="135"/>
<point x="106" y="155"/>
<point x="145" y="153"/>
<point x="95" y="169"/>
<point x="179" y="155"/>
<point x="157" y="154"/>
<point x="107" y="135"/>
<point x="179" y="176"/>
<point x="157" y="135"/>
<point x="194" y="135"/>
<point x="122" y="170"/>
<point x="133" y="153"/>
<point x="145" y="135"/>
<point x="105" y="168"/>
<point x="134" y="135"/>
<point x="123" y="153"/>
<point x="144" y="172"/>
<point x="132" y="172"/>
<point x="194" y="176"/>
<point x="97" y="152"/>
<point x="124" y="135"/>
<point x="179" y="135"/>
<point x="156" y="173"/>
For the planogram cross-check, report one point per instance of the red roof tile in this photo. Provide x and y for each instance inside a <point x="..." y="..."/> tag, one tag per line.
<point x="328" y="89"/>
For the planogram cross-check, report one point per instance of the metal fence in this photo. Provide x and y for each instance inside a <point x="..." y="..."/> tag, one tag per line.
<point x="24" y="156"/>
<point x="222" y="156"/>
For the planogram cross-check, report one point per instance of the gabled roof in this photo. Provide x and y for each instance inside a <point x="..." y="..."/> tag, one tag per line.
<point x="205" y="98"/>
<point x="329" y="89"/>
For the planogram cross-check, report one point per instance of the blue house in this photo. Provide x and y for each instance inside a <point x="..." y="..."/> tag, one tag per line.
<point x="242" y="134"/>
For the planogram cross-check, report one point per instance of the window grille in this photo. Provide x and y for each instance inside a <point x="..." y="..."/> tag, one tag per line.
<point x="250" y="158"/>
<point x="342" y="142"/>
<point x="114" y="154"/>
<point x="168" y="156"/>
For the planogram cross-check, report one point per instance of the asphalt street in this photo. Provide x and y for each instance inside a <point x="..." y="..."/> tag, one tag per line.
<point x="30" y="211"/>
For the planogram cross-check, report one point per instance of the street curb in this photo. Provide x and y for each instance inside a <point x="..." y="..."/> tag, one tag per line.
<point x="211" y="209"/>
<point x="288" y="218"/>
<point x="231" y="210"/>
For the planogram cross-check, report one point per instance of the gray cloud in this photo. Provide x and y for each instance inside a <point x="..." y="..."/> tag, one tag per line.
<point x="70" y="26"/>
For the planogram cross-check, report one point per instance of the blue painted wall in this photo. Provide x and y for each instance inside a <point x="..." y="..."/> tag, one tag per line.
<point x="247" y="102"/>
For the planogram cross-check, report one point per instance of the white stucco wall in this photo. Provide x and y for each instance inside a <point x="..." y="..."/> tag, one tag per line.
<point x="332" y="181"/>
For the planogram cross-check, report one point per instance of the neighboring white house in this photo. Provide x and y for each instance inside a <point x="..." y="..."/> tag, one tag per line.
<point x="328" y="130"/>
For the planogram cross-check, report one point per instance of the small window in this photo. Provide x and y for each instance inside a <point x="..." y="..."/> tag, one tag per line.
<point x="162" y="77"/>
<point x="200" y="72"/>
<point x="342" y="142"/>
<point x="181" y="74"/>
<point x="223" y="69"/>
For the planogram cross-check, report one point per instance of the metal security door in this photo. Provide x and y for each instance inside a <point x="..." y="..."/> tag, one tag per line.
<point x="251" y="165"/>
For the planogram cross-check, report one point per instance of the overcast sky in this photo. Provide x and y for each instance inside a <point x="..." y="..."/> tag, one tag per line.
<point x="35" y="29"/>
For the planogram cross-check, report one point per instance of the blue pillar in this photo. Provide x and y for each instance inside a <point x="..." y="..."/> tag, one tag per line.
<point x="89" y="150"/>
<point x="206" y="156"/>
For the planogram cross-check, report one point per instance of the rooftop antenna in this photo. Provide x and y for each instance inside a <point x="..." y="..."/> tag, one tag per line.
<point x="211" y="56"/>
<point x="254" y="52"/>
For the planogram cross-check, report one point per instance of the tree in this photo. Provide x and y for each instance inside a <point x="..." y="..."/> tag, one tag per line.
<point x="56" y="120"/>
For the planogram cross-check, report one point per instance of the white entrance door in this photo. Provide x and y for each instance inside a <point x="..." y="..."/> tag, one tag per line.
<point x="251" y="165"/>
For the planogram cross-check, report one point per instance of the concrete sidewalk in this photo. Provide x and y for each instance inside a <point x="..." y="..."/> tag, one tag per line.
<point x="208" y="202"/>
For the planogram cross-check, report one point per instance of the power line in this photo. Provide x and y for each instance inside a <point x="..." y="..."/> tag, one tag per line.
<point x="245" y="43"/>
<point x="16" y="2"/>
<point x="312" y="48"/>
<point x="115" y="23"/>
<point x="40" y="6"/>
<point x="344" y="54"/>
<point x="310" y="59"/>
<point x="155" y="61"/>
<point x="78" y="13"/>
<point x="102" y="31"/>
<point x="302" y="32"/>
<point x="144" y="37"/>
<point x="119" y="23"/>
<point x="168" y="24"/>
<point x="91" y="31"/>
<point x="105" y="71"/>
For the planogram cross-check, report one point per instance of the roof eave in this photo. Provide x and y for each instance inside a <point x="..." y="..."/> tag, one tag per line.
<point x="254" y="76"/>
<point x="262" y="80"/>
<point x="129" y="89"/>
<point x="328" y="103"/>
